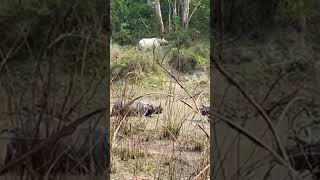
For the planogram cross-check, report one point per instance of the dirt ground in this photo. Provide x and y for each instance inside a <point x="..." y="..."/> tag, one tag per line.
<point x="154" y="155"/>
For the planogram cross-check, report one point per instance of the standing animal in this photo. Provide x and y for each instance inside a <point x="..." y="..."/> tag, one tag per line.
<point x="147" y="43"/>
<point x="138" y="108"/>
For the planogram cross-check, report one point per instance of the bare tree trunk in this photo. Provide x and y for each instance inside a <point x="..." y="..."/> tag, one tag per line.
<point x="175" y="15"/>
<point x="157" y="9"/>
<point x="185" y="13"/>
<point x="169" y="15"/>
<point x="178" y="4"/>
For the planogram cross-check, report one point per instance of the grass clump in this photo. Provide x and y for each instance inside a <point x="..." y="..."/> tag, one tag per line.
<point x="133" y="65"/>
<point x="127" y="153"/>
<point x="191" y="59"/>
<point x="199" y="145"/>
<point x="143" y="166"/>
<point x="171" y="131"/>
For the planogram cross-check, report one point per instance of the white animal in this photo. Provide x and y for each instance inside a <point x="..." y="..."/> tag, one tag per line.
<point x="147" y="43"/>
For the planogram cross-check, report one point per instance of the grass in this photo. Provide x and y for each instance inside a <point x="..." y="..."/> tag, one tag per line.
<point x="191" y="59"/>
<point x="200" y="53"/>
<point x="165" y="146"/>
<point x="143" y="166"/>
<point x="130" y="152"/>
<point x="128" y="62"/>
<point x="136" y="66"/>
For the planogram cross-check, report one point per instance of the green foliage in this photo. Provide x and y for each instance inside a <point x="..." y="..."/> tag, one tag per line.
<point x="123" y="34"/>
<point x="200" y="52"/>
<point x="195" y="57"/>
<point x="138" y="67"/>
<point x="130" y="19"/>
<point x="200" y="19"/>
<point x="133" y="20"/>
<point x="181" y="37"/>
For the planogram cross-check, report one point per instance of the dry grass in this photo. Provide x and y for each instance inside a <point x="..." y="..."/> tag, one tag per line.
<point x="166" y="146"/>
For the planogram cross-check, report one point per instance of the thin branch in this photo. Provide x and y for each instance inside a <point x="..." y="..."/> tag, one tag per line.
<point x="195" y="8"/>
<point x="257" y="141"/>
<point x="65" y="131"/>
<point x="257" y="106"/>
<point x="201" y="172"/>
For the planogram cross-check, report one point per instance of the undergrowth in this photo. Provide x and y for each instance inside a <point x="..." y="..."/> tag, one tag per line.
<point x="140" y="67"/>
<point x="136" y="66"/>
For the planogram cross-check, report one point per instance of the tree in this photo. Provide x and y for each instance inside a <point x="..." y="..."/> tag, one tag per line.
<point x="133" y="20"/>
<point x="157" y="10"/>
<point x="185" y="13"/>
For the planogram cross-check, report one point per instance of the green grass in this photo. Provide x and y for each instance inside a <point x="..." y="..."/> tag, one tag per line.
<point x="140" y="68"/>
<point x="199" y="52"/>
<point x="194" y="57"/>
<point x="135" y="66"/>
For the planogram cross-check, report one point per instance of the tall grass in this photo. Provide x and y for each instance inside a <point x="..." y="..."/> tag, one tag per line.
<point x="169" y="145"/>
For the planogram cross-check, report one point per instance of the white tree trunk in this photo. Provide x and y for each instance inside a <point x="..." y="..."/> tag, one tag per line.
<point x="157" y="9"/>
<point x="185" y="13"/>
<point x="175" y="14"/>
<point x="169" y="15"/>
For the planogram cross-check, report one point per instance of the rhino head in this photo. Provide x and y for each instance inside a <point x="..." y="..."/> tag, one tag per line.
<point x="162" y="41"/>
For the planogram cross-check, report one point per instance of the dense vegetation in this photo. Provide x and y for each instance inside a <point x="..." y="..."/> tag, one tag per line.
<point x="185" y="24"/>
<point x="133" y="20"/>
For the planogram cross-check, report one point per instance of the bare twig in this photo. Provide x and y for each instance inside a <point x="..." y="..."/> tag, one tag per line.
<point x="261" y="111"/>
<point x="257" y="141"/>
<point x="195" y="8"/>
<point x="202" y="171"/>
<point x="65" y="131"/>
